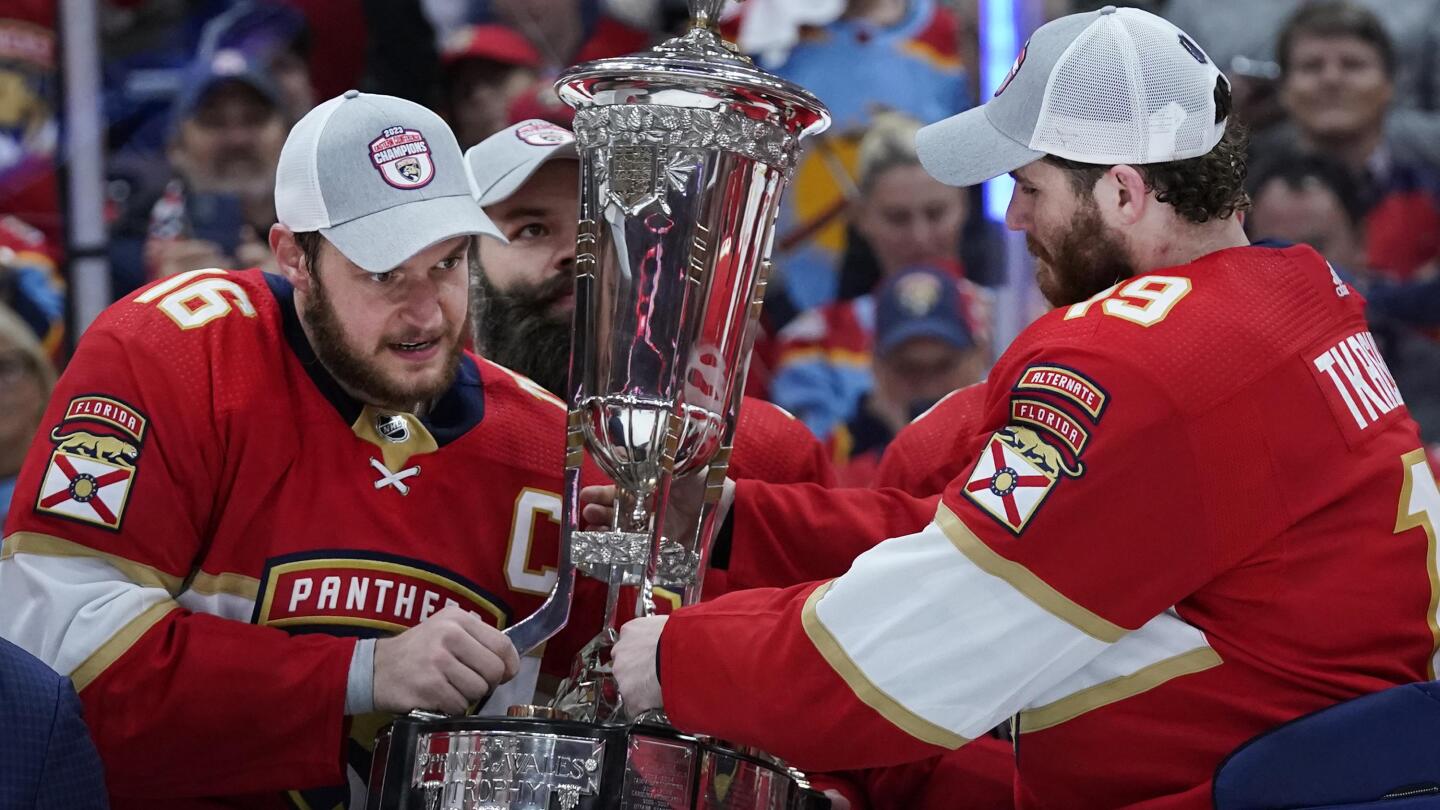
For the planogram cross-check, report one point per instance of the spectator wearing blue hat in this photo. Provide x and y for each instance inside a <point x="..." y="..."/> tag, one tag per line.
<point x="224" y="146"/>
<point x="925" y="347"/>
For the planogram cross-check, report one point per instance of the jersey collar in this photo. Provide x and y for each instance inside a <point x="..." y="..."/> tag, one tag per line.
<point x="459" y="409"/>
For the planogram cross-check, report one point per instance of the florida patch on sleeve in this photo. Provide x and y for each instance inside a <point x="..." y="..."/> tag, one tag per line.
<point x="92" y="468"/>
<point x="1014" y="475"/>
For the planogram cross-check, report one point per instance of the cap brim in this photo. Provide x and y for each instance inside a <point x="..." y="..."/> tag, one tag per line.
<point x="510" y="182"/>
<point x="966" y="149"/>
<point x="384" y="240"/>
<point x="950" y="333"/>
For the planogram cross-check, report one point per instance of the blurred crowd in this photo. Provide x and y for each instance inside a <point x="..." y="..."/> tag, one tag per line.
<point x="887" y="279"/>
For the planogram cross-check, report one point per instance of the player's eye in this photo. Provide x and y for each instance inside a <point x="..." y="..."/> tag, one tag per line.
<point x="386" y="278"/>
<point x="534" y="230"/>
<point x="449" y="263"/>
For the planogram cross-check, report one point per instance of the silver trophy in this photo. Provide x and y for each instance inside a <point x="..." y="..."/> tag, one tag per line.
<point x="684" y="152"/>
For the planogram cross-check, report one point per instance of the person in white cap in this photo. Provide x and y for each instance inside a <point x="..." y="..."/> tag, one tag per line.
<point x="526" y="178"/>
<point x="1196" y="506"/>
<point x="250" y="523"/>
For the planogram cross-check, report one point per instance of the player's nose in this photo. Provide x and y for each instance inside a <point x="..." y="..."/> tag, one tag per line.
<point x="422" y="306"/>
<point x="1017" y="213"/>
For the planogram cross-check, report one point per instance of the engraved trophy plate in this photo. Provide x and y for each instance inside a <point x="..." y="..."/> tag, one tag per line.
<point x="464" y="769"/>
<point x="658" y="774"/>
<point x="684" y="152"/>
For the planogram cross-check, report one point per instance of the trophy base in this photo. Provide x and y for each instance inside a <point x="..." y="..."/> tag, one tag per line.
<point x="528" y="763"/>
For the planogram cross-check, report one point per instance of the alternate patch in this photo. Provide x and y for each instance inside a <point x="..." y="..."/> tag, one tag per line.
<point x="1014" y="475"/>
<point x="402" y="156"/>
<point x="106" y="411"/>
<point x="1014" y="68"/>
<point x="1067" y="383"/>
<point x="89" y="478"/>
<point x="1052" y="420"/>
<point x="374" y="592"/>
<point x="544" y="133"/>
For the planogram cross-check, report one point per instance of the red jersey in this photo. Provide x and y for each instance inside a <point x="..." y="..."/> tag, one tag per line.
<point x="1198" y="508"/>
<point x="923" y="457"/>
<point x="207" y="523"/>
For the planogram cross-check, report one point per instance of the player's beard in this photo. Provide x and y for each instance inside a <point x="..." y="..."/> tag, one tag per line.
<point x="1085" y="260"/>
<point x="520" y="329"/>
<point x="362" y="376"/>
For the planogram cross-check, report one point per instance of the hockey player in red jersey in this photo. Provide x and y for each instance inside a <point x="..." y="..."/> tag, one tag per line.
<point x="526" y="177"/>
<point x="1197" y="506"/>
<point x="243" y="481"/>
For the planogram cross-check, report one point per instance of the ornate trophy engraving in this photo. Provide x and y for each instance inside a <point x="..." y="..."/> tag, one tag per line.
<point x="684" y="152"/>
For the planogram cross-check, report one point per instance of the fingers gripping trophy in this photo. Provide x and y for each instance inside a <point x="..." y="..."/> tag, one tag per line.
<point x="684" y="152"/>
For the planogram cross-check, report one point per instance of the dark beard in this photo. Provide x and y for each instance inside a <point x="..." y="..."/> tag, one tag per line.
<point x="358" y="376"/>
<point x="517" y="329"/>
<point x="1089" y="259"/>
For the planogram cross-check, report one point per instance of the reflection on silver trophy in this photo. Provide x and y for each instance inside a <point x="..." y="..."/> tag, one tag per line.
<point x="685" y="150"/>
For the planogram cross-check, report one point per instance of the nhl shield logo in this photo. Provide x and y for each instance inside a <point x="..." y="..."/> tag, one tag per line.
<point x="402" y="156"/>
<point x="1014" y="475"/>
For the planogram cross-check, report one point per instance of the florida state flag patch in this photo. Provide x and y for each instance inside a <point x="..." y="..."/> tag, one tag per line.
<point x="1014" y="475"/>
<point x="90" y="473"/>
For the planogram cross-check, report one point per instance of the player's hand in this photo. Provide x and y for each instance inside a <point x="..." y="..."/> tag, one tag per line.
<point x="597" y="504"/>
<point x="634" y="660"/>
<point x="444" y="663"/>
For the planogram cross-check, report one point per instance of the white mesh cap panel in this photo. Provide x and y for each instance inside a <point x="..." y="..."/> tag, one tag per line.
<point x="1128" y="90"/>
<point x="299" y="203"/>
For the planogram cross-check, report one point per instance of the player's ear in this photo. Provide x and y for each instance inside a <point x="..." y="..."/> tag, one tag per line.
<point x="1123" y="188"/>
<point x="289" y="257"/>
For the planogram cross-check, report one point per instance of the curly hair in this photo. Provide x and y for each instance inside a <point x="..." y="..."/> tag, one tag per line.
<point x="1211" y="186"/>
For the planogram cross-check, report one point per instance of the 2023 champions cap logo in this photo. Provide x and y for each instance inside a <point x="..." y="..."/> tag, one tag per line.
<point x="402" y="156"/>
<point x="544" y="133"/>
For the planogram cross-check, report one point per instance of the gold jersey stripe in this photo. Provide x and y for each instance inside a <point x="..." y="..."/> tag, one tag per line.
<point x="210" y="584"/>
<point x="203" y="582"/>
<point x="1117" y="689"/>
<point x="117" y="644"/>
<point x="1025" y="581"/>
<point x="51" y="546"/>
<point x="869" y="693"/>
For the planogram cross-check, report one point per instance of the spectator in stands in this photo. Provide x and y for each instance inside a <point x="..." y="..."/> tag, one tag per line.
<point x="1337" y="83"/>
<point x="50" y="760"/>
<point x="30" y="284"/>
<point x="924" y="349"/>
<point x="900" y="56"/>
<point x="1241" y="36"/>
<point x="487" y="67"/>
<point x="822" y="360"/>
<point x="224" y="149"/>
<point x="1309" y="198"/>
<point x="26" y="378"/>
<point x="278" y="36"/>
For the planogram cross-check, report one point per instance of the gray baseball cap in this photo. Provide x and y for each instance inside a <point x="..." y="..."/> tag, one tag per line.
<point x="1105" y="87"/>
<point x="502" y="163"/>
<point x="382" y="178"/>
